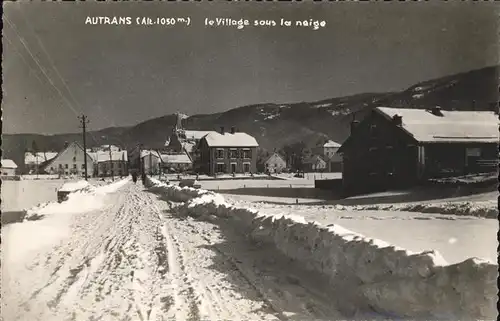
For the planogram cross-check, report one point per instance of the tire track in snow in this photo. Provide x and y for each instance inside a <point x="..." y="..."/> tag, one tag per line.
<point x="215" y="302"/>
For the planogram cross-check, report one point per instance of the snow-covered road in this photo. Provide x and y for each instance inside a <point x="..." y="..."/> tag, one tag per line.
<point x="134" y="258"/>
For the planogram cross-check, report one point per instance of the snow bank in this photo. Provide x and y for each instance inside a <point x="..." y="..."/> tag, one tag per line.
<point x="369" y="273"/>
<point x="74" y="186"/>
<point x="486" y="209"/>
<point x="86" y="198"/>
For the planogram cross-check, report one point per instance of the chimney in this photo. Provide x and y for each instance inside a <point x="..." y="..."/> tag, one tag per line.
<point x="233" y="130"/>
<point x="354" y="124"/>
<point x="397" y="120"/>
<point x="436" y="111"/>
<point x="222" y="130"/>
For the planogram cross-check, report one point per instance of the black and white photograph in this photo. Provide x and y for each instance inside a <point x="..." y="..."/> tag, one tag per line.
<point x="249" y="160"/>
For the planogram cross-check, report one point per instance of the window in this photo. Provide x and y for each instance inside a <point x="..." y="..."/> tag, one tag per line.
<point x="83" y="166"/>
<point x="233" y="167"/>
<point x="74" y="166"/>
<point x="74" y="159"/>
<point x="246" y="153"/>
<point x="246" y="167"/>
<point x="221" y="168"/>
<point x="473" y="152"/>
<point x="60" y="165"/>
<point x="66" y="166"/>
<point x="220" y="153"/>
<point x="233" y="153"/>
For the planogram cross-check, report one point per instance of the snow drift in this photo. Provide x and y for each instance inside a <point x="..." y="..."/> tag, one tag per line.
<point x="369" y="274"/>
<point x="486" y="209"/>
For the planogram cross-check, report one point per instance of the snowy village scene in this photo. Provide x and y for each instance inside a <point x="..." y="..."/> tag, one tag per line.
<point x="249" y="161"/>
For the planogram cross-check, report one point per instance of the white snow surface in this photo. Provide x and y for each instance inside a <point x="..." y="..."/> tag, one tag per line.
<point x="370" y="272"/>
<point x="120" y="252"/>
<point x="74" y="186"/>
<point x="456" y="126"/>
<point x="238" y="139"/>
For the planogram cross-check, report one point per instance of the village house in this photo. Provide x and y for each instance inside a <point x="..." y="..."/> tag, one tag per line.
<point x="109" y="162"/>
<point x="227" y="152"/>
<point x="396" y="148"/>
<point x="314" y="163"/>
<point x="328" y="152"/>
<point x="36" y="162"/>
<point x="151" y="161"/>
<point x="70" y="161"/>
<point x="8" y="168"/>
<point x="275" y="163"/>
<point x="134" y="158"/>
<point x="176" y="163"/>
<point x="183" y="141"/>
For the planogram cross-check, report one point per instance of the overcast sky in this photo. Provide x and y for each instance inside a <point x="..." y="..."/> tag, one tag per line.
<point x="122" y="75"/>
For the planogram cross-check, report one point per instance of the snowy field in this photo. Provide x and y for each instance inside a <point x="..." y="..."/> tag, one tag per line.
<point x="455" y="237"/>
<point x="24" y="194"/>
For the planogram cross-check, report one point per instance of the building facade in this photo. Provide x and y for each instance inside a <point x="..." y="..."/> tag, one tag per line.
<point x="397" y="148"/>
<point x="35" y="162"/>
<point x="9" y="168"/>
<point x="227" y="152"/>
<point x="71" y="161"/>
<point x="151" y="162"/>
<point x="275" y="163"/>
<point x="315" y="163"/>
<point x="328" y="152"/>
<point x="176" y="163"/>
<point x="110" y="162"/>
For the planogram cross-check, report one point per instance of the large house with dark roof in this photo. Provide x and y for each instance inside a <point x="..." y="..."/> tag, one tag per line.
<point x="395" y="148"/>
<point x="227" y="152"/>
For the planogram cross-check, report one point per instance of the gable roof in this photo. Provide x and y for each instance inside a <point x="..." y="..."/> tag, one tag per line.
<point x="104" y="156"/>
<point x="238" y="139"/>
<point x="8" y="163"/>
<point x="40" y="157"/>
<point x="153" y="153"/>
<point x="65" y="149"/>
<point x="314" y="159"/>
<point x="176" y="158"/>
<point x="453" y="126"/>
<point x="275" y="154"/>
<point x="196" y="134"/>
<point x="331" y="143"/>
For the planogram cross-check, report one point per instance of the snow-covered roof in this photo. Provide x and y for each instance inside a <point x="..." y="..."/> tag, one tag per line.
<point x="331" y="143"/>
<point x="452" y="126"/>
<point x="274" y="155"/>
<point x="238" y="139"/>
<point x="104" y="156"/>
<point x="196" y="134"/>
<point x="39" y="157"/>
<point x="188" y="146"/>
<point x="314" y="160"/>
<point x="153" y="153"/>
<point x="8" y="163"/>
<point x="176" y="158"/>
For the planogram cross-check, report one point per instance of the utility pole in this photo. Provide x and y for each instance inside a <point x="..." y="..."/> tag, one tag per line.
<point x="84" y="121"/>
<point x="111" y="163"/>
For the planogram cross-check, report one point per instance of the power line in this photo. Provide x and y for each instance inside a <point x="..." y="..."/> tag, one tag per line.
<point x="22" y="57"/>
<point x="70" y="105"/>
<point x="39" y="66"/>
<point x="50" y="60"/>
